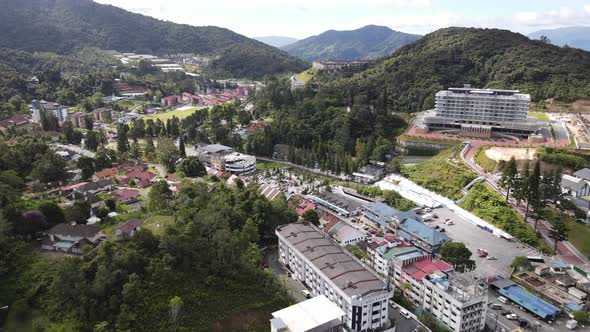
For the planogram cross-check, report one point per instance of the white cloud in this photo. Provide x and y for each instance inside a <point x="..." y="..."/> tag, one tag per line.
<point x="564" y="16"/>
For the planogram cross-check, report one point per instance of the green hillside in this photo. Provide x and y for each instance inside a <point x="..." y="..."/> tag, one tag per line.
<point x="450" y="57"/>
<point x="368" y="42"/>
<point x="65" y="26"/>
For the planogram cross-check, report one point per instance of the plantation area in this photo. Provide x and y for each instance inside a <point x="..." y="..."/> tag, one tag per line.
<point x="445" y="173"/>
<point x="180" y="113"/>
<point x="485" y="203"/>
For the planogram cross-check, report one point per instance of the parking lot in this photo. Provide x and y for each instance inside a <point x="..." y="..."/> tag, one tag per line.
<point x="474" y="237"/>
<point x="495" y="318"/>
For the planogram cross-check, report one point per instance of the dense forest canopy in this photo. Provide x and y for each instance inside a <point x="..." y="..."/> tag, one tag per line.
<point x="65" y="26"/>
<point x="455" y="56"/>
<point x="368" y="42"/>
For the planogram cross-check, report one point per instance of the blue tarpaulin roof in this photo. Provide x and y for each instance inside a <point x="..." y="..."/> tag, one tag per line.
<point x="529" y="301"/>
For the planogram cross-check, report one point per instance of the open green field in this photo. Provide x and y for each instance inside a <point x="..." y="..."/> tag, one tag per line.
<point x="157" y="224"/>
<point x="539" y="115"/>
<point x="263" y="166"/>
<point x="179" y="113"/>
<point x="307" y="75"/>
<point x="578" y="235"/>
<point x="483" y="160"/>
<point x="445" y="173"/>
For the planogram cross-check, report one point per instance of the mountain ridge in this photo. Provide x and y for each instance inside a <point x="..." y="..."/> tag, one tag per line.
<point x="368" y="42"/>
<point x="65" y="26"/>
<point x="576" y="36"/>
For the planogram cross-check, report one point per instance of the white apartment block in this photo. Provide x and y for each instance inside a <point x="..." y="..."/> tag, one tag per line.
<point x="455" y="300"/>
<point x="327" y="270"/>
<point x="481" y="111"/>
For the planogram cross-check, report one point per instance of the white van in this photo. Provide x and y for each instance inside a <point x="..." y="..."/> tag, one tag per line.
<point x="496" y="306"/>
<point x="306" y="293"/>
<point x="405" y="313"/>
<point x="503" y="299"/>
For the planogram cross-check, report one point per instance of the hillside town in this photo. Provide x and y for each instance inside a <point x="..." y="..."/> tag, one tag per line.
<point x="194" y="179"/>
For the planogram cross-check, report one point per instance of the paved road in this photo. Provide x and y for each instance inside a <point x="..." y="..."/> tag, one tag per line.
<point x="543" y="226"/>
<point x="293" y="286"/>
<point x="403" y="324"/>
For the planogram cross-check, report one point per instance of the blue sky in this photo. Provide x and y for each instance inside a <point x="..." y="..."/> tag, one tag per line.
<point x="303" y="18"/>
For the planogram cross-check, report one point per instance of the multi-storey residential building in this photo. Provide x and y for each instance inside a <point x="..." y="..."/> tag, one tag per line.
<point x="458" y="301"/>
<point x="383" y="250"/>
<point x="480" y="112"/>
<point x="42" y="107"/>
<point x="326" y="269"/>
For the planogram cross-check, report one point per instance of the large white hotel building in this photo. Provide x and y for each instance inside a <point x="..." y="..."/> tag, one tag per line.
<point x="480" y="112"/>
<point x="326" y="269"/>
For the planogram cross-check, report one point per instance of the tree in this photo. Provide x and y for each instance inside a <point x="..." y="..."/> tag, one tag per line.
<point x="535" y="193"/>
<point x="545" y="39"/>
<point x="175" y="306"/>
<point x="181" y="147"/>
<point x="86" y="164"/>
<point x="192" y="167"/>
<point x="91" y="142"/>
<point x="135" y="151"/>
<point x="53" y="212"/>
<point x="521" y="263"/>
<point x="521" y="186"/>
<point x="159" y="196"/>
<point x="150" y="149"/>
<point x="167" y="153"/>
<point x="311" y="216"/>
<point x="79" y="212"/>
<point x="558" y="233"/>
<point x="458" y="255"/>
<point x="88" y="122"/>
<point x="581" y="317"/>
<point x="50" y="168"/>
<point x="122" y="141"/>
<point x="509" y="175"/>
<point x="31" y="222"/>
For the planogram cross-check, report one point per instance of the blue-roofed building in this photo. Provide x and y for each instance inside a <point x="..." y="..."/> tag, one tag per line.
<point x="422" y="236"/>
<point x="380" y="214"/>
<point x="517" y="294"/>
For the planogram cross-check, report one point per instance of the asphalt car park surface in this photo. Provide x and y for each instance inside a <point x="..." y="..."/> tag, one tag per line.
<point x="476" y="238"/>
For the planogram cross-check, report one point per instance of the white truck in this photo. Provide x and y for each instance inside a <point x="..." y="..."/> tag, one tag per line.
<point x="427" y="216"/>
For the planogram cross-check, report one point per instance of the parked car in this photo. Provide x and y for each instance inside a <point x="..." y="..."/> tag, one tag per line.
<point x="405" y="313"/>
<point x="483" y="254"/>
<point x="492" y="258"/>
<point x="511" y="317"/>
<point x="306" y="293"/>
<point x="496" y="306"/>
<point x="502" y="299"/>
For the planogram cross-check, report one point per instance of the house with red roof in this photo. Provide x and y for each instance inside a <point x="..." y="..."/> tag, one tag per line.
<point x="128" y="229"/>
<point x="256" y="125"/>
<point x="126" y="196"/>
<point x="169" y="101"/>
<point x="105" y="174"/>
<point x="342" y="232"/>
<point x="301" y="204"/>
<point x="140" y="179"/>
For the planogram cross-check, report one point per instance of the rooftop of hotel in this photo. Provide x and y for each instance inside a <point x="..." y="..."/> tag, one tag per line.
<point x="336" y="265"/>
<point x="307" y="315"/>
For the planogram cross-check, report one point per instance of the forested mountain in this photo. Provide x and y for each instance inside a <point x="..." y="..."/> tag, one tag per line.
<point x="578" y="37"/>
<point x="276" y="41"/>
<point x="408" y="80"/>
<point x="65" y="26"/>
<point x="368" y="42"/>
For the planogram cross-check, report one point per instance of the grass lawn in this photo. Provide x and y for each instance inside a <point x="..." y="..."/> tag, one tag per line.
<point x="578" y="235"/>
<point x="483" y="160"/>
<point x="305" y="76"/>
<point x="539" y="115"/>
<point x="157" y="223"/>
<point x="179" y="113"/>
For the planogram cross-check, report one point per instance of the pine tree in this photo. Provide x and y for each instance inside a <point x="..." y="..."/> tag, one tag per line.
<point x="509" y="176"/>
<point x="534" y="197"/>
<point x="558" y="233"/>
<point x="181" y="147"/>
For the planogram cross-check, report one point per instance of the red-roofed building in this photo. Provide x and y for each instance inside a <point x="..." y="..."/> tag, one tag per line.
<point x="126" y="196"/>
<point x="169" y="101"/>
<point x="18" y="122"/>
<point x="128" y="229"/>
<point x="256" y="125"/>
<point x="141" y="179"/>
<point x="108" y="173"/>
